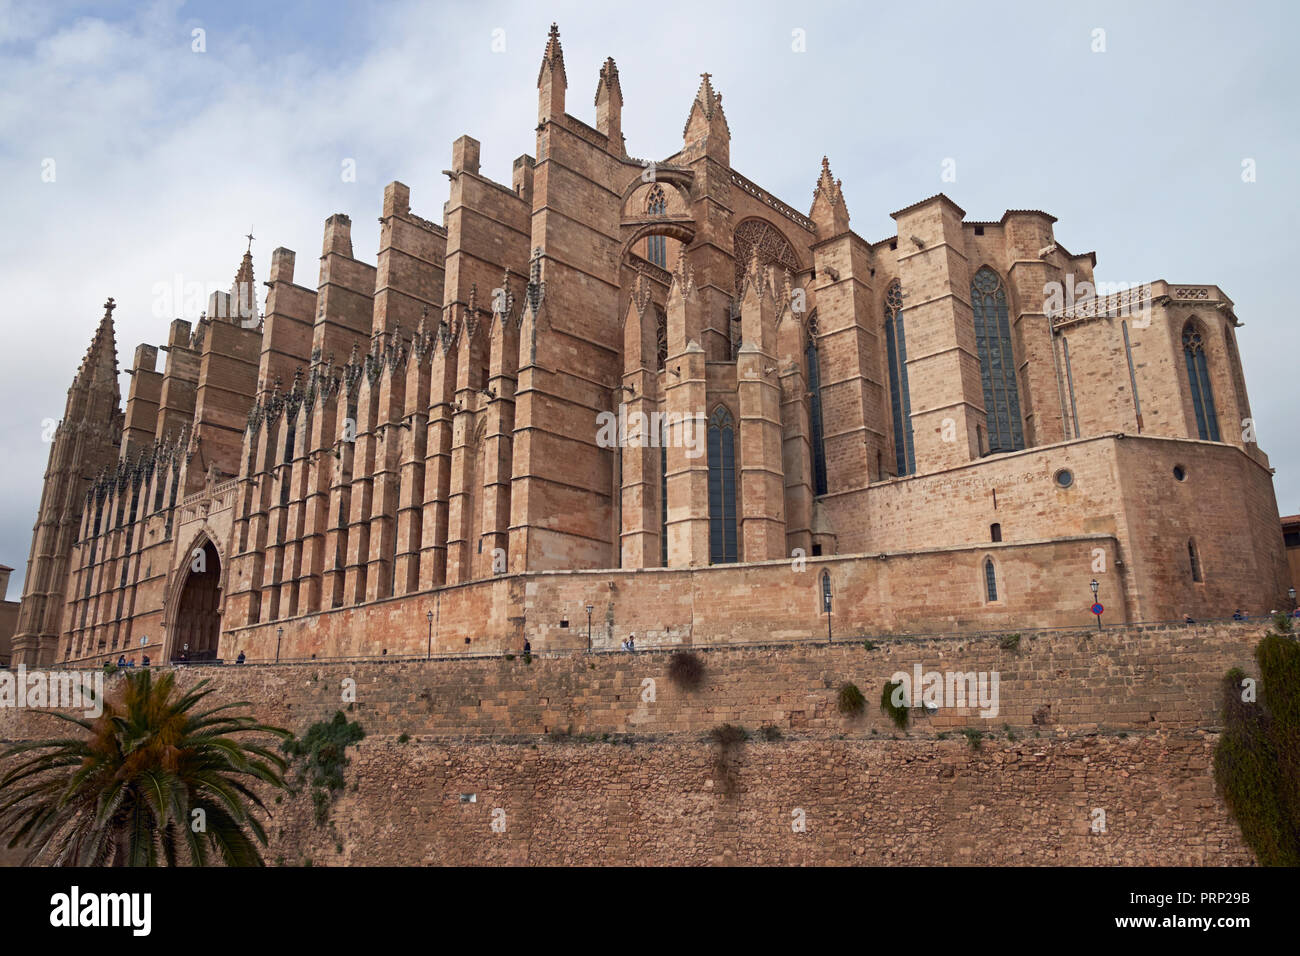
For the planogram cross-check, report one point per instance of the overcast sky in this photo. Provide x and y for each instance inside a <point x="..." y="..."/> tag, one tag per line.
<point x="163" y="157"/>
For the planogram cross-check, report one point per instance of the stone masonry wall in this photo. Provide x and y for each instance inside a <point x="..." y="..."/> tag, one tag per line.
<point x="601" y="758"/>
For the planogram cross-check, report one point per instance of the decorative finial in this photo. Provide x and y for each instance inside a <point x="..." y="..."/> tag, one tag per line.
<point x="250" y="237"/>
<point x="109" y="306"/>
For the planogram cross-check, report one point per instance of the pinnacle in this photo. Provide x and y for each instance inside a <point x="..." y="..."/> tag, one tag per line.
<point x="100" y="360"/>
<point x="708" y="101"/>
<point x="609" y="81"/>
<point x="553" y="56"/>
<point x="243" y="292"/>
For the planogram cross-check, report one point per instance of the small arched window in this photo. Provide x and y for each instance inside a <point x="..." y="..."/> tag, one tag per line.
<point x="988" y="299"/>
<point x="657" y="246"/>
<point x="990" y="581"/>
<point x="722" y="487"/>
<point x="1198" y="377"/>
<point x="900" y="400"/>
<point x="1194" y="559"/>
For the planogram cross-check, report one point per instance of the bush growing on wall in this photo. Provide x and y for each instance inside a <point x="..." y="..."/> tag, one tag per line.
<point x="898" y="713"/>
<point x="851" y="701"/>
<point x="686" y="669"/>
<point x="1257" y="760"/>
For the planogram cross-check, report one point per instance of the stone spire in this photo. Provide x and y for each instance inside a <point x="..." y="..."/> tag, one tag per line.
<point x="708" y="104"/>
<point x="84" y="444"/>
<point x="609" y="106"/>
<point x="243" y="293"/>
<point x="829" y="212"/>
<point x="99" y="365"/>
<point x="551" y="79"/>
<point x="706" y="124"/>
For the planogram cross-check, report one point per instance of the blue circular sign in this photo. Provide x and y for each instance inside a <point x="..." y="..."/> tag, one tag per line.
<point x="1097" y="609"/>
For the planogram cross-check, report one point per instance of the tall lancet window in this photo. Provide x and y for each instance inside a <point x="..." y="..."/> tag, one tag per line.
<point x="815" y="410"/>
<point x="900" y="400"/>
<point x="722" y="487"/>
<point x="1198" y="376"/>
<point x="657" y="246"/>
<point x="663" y="505"/>
<point x="988" y="298"/>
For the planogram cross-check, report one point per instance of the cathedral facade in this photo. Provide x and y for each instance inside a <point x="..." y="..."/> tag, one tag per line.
<point x="620" y="395"/>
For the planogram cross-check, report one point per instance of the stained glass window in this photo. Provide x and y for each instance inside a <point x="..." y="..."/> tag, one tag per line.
<point x="657" y="246"/>
<point x="722" y="487"/>
<point x="1198" y="376"/>
<point x="997" y="362"/>
<point x="990" y="580"/>
<point x="815" y="412"/>
<point x="900" y="400"/>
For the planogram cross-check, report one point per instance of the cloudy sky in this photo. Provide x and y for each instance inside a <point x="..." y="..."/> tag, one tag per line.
<point x="164" y="155"/>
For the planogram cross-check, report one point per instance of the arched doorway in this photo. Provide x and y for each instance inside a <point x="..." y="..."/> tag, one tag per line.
<point x="198" y="612"/>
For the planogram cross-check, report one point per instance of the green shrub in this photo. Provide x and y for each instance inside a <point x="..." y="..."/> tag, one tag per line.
<point x="974" y="737"/>
<point x="404" y="738"/>
<point x="728" y="735"/>
<point x="851" y="701"/>
<point x="1009" y="642"/>
<point x="898" y="713"/>
<point x="324" y="748"/>
<point x="686" y="669"/>
<point x="869" y="645"/>
<point x="1257" y="760"/>
<point x="770" y="732"/>
<point x="728" y="738"/>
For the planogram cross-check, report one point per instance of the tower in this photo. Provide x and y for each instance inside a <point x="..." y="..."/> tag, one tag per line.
<point x="85" y="441"/>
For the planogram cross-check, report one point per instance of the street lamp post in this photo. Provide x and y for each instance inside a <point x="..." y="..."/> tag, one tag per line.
<point x="590" y="608"/>
<point x="1290" y="592"/>
<point x="1095" y="588"/>
<point x="279" y="633"/>
<point x="428" y="653"/>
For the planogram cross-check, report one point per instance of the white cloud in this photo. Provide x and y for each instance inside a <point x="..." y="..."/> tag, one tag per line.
<point x="165" y="157"/>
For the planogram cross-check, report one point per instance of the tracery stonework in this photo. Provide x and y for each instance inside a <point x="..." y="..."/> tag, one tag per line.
<point x="408" y="477"/>
<point x="773" y="248"/>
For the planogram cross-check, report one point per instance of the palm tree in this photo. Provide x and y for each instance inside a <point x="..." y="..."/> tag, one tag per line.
<point x="154" y="781"/>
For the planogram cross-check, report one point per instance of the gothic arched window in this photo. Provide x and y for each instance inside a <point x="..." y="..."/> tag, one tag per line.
<point x="990" y="580"/>
<point x="815" y="410"/>
<point x="1198" y="376"/>
<point x="1195" y="559"/>
<point x="900" y="399"/>
<point x="722" y="487"/>
<point x="988" y="299"/>
<point x="657" y="246"/>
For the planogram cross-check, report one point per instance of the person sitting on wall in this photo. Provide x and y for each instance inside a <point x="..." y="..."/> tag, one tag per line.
<point x="240" y="658"/>
<point x="1187" y="619"/>
<point x="631" y="643"/>
<point x="528" y="648"/>
<point x="1238" y="616"/>
<point x="121" y="660"/>
<point x="146" y="660"/>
